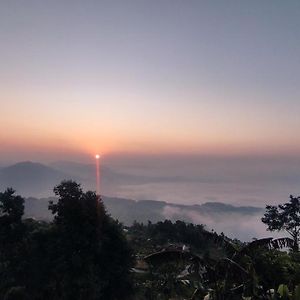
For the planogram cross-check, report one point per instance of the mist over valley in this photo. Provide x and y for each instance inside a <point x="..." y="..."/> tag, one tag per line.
<point x="226" y="195"/>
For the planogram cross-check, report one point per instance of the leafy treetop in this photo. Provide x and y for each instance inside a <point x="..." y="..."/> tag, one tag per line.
<point x="285" y="217"/>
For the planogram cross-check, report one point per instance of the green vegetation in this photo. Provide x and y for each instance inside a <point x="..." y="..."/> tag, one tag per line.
<point x="285" y="217"/>
<point x="85" y="254"/>
<point x="209" y="264"/>
<point x="82" y="254"/>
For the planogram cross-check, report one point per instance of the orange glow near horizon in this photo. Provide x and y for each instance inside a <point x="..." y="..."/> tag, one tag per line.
<point x="111" y="121"/>
<point x="121" y="128"/>
<point x="85" y="145"/>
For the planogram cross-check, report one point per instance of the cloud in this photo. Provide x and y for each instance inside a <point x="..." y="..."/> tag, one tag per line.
<point x="234" y="225"/>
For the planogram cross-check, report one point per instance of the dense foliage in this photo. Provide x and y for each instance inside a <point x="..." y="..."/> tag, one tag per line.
<point x="151" y="237"/>
<point x="85" y="254"/>
<point x="285" y="217"/>
<point x="82" y="254"/>
<point x="184" y="261"/>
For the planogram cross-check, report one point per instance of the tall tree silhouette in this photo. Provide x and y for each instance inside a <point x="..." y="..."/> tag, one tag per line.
<point x="93" y="255"/>
<point x="11" y="238"/>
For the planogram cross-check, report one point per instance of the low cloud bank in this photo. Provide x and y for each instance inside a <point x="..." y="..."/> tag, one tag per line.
<point x="234" y="225"/>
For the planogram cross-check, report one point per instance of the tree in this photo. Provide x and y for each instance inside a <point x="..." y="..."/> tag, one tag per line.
<point x="91" y="258"/>
<point x="285" y="217"/>
<point x="11" y="239"/>
<point x="82" y="254"/>
<point x="11" y="207"/>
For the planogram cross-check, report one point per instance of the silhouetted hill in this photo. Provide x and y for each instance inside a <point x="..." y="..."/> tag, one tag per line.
<point x="38" y="180"/>
<point x="29" y="178"/>
<point x="87" y="173"/>
<point x="215" y="207"/>
<point x="108" y="175"/>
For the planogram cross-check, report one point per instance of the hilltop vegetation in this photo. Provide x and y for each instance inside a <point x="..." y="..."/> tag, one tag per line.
<point x="83" y="253"/>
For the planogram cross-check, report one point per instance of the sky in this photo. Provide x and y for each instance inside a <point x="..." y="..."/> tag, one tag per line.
<point x="149" y="77"/>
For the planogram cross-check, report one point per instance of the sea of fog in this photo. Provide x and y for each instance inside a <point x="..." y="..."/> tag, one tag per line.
<point x="184" y="180"/>
<point x="234" y="225"/>
<point x="195" y="180"/>
<point x="237" y="181"/>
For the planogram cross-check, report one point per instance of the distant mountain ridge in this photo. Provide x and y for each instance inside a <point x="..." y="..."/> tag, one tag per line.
<point x="31" y="178"/>
<point x="225" y="207"/>
<point x="127" y="211"/>
<point x="37" y="180"/>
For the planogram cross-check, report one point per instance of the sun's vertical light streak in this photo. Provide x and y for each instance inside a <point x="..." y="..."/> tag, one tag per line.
<point x="97" y="156"/>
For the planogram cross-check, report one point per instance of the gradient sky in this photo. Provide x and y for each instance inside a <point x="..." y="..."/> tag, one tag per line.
<point x="199" y="77"/>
